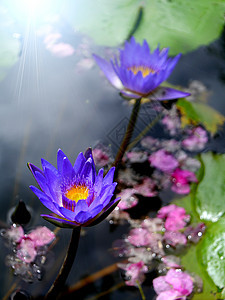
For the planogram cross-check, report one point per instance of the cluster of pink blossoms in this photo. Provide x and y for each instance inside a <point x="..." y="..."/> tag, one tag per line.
<point x="192" y="138"/>
<point x="29" y="250"/>
<point x="151" y="240"/>
<point x="176" y="284"/>
<point x="165" y="165"/>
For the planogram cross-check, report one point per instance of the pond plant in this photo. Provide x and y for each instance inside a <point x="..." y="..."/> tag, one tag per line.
<point x="179" y="243"/>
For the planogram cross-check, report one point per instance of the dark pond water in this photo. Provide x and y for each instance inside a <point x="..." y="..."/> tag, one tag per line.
<point x="49" y="102"/>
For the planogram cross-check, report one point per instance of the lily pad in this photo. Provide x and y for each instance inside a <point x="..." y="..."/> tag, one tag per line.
<point x="192" y="263"/>
<point x="212" y="252"/>
<point x="200" y="113"/>
<point x="178" y="24"/>
<point x="181" y="25"/>
<point x="107" y="22"/>
<point x="210" y="193"/>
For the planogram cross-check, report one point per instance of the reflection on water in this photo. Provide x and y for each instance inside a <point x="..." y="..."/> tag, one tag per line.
<point x="54" y="97"/>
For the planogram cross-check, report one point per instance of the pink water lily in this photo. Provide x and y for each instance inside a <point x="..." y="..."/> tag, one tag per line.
<point x="163" y="161"/>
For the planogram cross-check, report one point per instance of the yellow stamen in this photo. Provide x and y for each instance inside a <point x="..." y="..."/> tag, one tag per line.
<point x="144" y="70"/>
<point x="77" y="192"/>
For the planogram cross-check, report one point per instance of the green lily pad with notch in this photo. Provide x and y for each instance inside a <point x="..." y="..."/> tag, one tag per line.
<point x="196" y="113"/>
<point x="179" y="24"/>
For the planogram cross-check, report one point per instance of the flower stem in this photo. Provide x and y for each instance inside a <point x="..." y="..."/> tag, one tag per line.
<point x="128" y="135"/>
<point x="141" y="290"/>
<point x="144" y="132"/>
<point x="58" y="284"/>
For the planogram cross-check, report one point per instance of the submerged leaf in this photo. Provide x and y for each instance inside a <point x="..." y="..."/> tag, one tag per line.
<point x="200" y="113"/>
<point x="210" y="193"/>
<point x="180" y="25"/>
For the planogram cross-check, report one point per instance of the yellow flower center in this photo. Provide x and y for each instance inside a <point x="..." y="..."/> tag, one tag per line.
<point x="144" y="70"/>
<point x="77" y="192"/>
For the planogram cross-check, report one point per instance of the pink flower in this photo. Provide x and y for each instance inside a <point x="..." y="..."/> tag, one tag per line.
<point x="61" y="49"/>
<point x="172" y="123"/>
<point x="170" y="295"/>
<point x="146" y="188"/>
<point x="26" y="250"/>
<point x="181" y="281"/>
<point x="163" y="161"/>
<point x="101" y="158"/>
<point x="175" y="285"/>
<point x="197" y="140"/>
<point x="27" y="247"/>
<point x="27" y="244"/>
<point x="171" y="261"/>
<point x="165" y="210"/>
<point x="175" y="216"/>
<point x="176" y="219"/>
<point x="14" y="234"/>
<point x="181" y="179"/>
<point x="150" y="143"/>
<point x="138" y="157"/>
<point x="41" y="236"/>
<point x="175" y="238"/>
<point x="139" y="237"/>
<point x="128" y="199"/>
<point x="134" y="272"/>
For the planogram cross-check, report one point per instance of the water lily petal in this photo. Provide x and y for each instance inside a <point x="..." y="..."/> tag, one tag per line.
<point x="79" y="163"/>
<point x="165" y="93"/>
<point x="108" y="70"/>
<point x="46" y="201"/>
<point x="60" y="222"/>
<point x="108" y="179"/>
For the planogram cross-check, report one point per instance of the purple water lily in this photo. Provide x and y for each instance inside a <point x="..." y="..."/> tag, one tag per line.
<point x="140" y="72"/>
<point x="76" y="195"/>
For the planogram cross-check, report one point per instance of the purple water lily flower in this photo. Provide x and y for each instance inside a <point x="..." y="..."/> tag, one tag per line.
<point x="76" y="195"/>
<point x="140" y="72"/>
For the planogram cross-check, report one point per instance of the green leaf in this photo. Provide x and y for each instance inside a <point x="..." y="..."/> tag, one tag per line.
<point x="179" y="24"/>
<point x="107" y="22"/>
<point x="200" y="113"/>
<point x="210" y="194"/>
<point x="191" y="262"/>
<point x="212" y="252"/>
